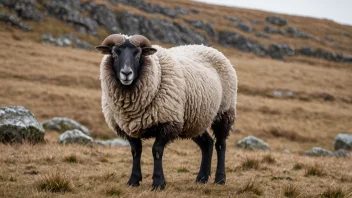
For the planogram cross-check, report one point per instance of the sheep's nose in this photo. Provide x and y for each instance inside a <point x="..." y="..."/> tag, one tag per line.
<point x="126" y="74"/>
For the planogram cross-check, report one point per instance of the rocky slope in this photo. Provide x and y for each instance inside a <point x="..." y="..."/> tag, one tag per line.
<point x="183" y="22"/>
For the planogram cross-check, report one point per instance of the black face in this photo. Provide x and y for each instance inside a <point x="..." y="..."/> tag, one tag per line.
<point x="127" y="60"/>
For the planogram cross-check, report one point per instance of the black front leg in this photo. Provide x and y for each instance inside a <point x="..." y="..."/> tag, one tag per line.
<point x="136" y="150"/>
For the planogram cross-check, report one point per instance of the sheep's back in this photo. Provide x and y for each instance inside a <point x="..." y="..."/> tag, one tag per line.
<point x="211" y="85"/>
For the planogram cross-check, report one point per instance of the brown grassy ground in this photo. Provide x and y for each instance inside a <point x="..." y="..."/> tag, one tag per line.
<point x="53" y="81"/>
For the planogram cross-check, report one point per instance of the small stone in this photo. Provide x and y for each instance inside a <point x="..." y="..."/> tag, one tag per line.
<point x="114" y="142"/>
<point x="341" y="153"/>
<point x="62" y="124"/>
<point x="317" y="151"/>
<point x="287" y="151"/>
<point x="252" y="143"/>
<point x="343" y="141"/>
<point x="74" y="137"/>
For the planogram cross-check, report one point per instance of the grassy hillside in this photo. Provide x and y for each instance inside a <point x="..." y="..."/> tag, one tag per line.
<point x="56" y="81"/>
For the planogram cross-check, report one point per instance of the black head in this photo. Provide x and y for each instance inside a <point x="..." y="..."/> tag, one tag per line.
<point x="126" y="55"/>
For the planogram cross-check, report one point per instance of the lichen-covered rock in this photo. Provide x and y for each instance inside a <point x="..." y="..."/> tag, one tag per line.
<point x="252" y="143"/>
<point x="62" y="124"/>
<point x="114" y="142"/>
<point x="14" y="21"/>
<point x="276" y="20"/>
<point x="317" y="151"/>
<point x="74" y="137"/>
<point x="18" y="124"/>
<point x="343" y="141"/>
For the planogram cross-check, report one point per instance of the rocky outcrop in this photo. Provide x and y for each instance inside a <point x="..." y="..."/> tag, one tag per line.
<point x="18" y="124"/>
<point x="65" y="40"/>
<point x="14" y="21"/>
<point x="106" y="18"/>
<point x="172" y="32"/>
<point x="319" y="53"/>
<point x="25" y="9"/>
<point x="343" y="141"/>
<point x="294" y="32"/>
<point x="271" y="30"/>
<point x="209" y="28"/>
<point x="279" y="51"/>
<point x="68" y="12"/>
<point x="252" y="143"/>
<point x="244" y="27"/>
<point x="74" y="137"/>
<point x="152" y="8"/>
<point x="62" y="124"/>
<point x="276" y="20"/>
<point x="241" y="43"/>
<point x="262" y="35"/>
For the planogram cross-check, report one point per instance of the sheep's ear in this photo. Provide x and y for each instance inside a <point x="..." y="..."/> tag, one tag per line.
<point x="146" y="51"/>
<point x="103" y="49"/>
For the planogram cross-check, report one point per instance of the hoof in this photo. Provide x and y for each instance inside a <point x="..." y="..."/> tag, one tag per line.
<point x="202" y="179"/>
<point x="158" y="186"/>
<point x="220" y="179"/>
<point x="133" y="184"/>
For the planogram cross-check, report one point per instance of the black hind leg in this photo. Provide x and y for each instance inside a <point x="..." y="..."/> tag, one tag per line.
<point x="221" y="127"/>
<point x="206" y="143"/>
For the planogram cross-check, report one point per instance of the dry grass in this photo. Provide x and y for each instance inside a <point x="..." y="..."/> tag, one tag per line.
<point x="336" y="192"/>
<point x="250" y="186"/>
<point x="249" y="163"/>
<point x="298" y="166"/>
<point x="52" y="81"/>
<point x="291" y="191"/>
<point x="316" y="170"/>
<point x="54" y="182"/>
<point x="269" y="159"/>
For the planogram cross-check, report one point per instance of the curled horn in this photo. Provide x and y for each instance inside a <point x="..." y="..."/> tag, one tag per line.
<point x="114" y="39"/>
<point x="140" y="41"/>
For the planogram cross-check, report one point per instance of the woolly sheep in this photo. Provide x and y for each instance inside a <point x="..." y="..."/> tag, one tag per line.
<point x="152" y="92"/>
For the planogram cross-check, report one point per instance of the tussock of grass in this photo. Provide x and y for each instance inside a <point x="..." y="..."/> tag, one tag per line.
<point x="291" y="191"/>
<point x="315" y="170"/>
<point x="182" y="170"/>
<point x="71" y="159"/>
<point x="249" y="163"/>
<point x="113" y="191"/>
<point x="269" y="159"/>
<point x="109" y="176"/>
<point x="54" y="182"/>
<point x="251" y="187"/>
<point x="335" y="192"/>
<point x="298" y="166"/>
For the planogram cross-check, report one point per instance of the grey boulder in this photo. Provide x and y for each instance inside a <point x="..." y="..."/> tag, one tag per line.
<point x="74" y="137"/>
<point x="252" y="143"/>
<point x="317" y="152"/>
<point x="62" y="124"/>
<point x="343" y="141"/>
<point x="114" y="142"/>
<point x="18" y="124"/>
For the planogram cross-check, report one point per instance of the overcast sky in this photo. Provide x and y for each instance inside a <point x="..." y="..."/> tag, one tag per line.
<point x="337" y="10"/>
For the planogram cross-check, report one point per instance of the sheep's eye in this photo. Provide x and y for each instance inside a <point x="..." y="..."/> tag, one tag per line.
<point x="117" y="50"/>
<point x="138" y="52"/>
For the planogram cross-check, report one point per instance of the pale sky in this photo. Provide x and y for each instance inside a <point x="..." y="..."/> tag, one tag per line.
<point x="337" y="10"/>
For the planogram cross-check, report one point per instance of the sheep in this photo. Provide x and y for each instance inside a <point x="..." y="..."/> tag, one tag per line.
<point x="152" y="92"/>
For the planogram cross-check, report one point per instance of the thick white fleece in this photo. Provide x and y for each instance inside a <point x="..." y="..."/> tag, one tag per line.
<point x="186" y="84"/>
